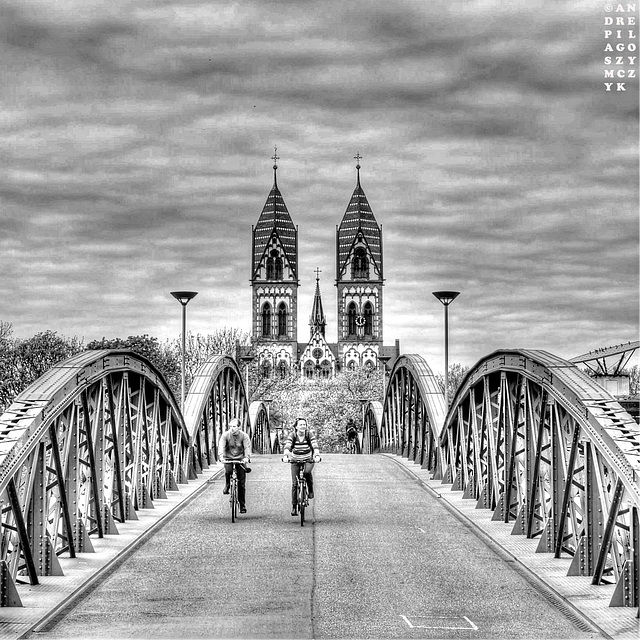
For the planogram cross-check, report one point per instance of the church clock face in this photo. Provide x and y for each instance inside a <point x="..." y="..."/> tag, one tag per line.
<point x="317" y="353"/>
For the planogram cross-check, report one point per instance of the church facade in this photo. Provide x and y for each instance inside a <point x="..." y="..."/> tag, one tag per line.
<point x="275" y="281"/>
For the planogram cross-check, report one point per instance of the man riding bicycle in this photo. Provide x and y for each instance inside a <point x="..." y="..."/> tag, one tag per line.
<point x="235" y="447"/>
<point x="301" y="448"/>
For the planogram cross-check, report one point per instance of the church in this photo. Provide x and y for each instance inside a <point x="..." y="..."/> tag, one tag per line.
<point x="274" y="300"/>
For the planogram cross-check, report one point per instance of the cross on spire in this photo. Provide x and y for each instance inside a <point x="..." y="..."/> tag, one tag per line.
<point x="275" y="157"/>
<point x="318" y="271"/>
<point x="357" y="158"/>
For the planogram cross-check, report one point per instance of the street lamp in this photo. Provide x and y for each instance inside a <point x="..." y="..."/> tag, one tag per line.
<point x="446" y="297"/>
<point x="183" y="298"/>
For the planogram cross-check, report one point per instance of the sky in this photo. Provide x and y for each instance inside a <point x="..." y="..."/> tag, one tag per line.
<point x="136" y="140"/>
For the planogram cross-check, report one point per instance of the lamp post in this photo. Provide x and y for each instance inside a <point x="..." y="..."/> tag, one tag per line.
<point x="446" y="297"/>
<point x="183" y="298"/>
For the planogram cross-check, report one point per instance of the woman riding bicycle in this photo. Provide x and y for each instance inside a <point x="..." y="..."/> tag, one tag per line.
<point x="302" y="447"/>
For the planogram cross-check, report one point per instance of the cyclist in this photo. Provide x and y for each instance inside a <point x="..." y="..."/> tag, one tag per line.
<point x="302" y="447"/>
<point x="352" y="434"/>
<point x="235" y="446"/>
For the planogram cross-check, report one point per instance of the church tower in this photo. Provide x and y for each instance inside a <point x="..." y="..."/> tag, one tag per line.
<point x="317" y="359"/>
<point x="274" y="284"/>
<point x="359" y="279"/>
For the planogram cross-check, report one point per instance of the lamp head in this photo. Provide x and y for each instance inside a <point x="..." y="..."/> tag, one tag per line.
<point x="183" y="297"/>
<point x="446" y="297"/>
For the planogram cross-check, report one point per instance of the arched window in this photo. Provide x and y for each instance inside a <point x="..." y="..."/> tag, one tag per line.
<point x="368" y="319"/>
<point x="351" y="365"/>
<point x="369" y="366"/>
<point x="265" y="370"/>
<point x="282" y="320"/>
<point x="325" y="369"/>
<point x="266" y="320"/>
<point x="351" y="315"/>
<point x="269" y="268"/>
<point x="283" y="369"/>
<point x="360" y="265"/>
<point x="278" y="268"/>
<point x="309" y="368"/>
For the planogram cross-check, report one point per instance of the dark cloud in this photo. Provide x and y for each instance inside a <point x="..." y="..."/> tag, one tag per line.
<point x="136" y="139"/>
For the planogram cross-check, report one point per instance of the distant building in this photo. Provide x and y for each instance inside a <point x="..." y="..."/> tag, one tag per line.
<point x="274" y="301"/>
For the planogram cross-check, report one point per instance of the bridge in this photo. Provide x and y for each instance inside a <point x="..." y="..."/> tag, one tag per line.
<point x="98" y="462"/>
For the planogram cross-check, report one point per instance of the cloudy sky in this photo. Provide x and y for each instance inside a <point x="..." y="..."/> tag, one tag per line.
<point x="136" y="138"/>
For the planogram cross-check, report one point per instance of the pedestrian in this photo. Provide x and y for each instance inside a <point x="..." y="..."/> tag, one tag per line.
<point x="235" y="448"/>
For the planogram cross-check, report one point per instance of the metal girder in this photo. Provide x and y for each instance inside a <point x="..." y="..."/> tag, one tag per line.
<point x="531" y="437"/>
<point x="96" y="437"/>
<point x="372" y="426"/>
<point x="262" y="440"/>
<point x="554" y="455"/>
<point x="413" y="414"/>
<point x="216" y="395"/>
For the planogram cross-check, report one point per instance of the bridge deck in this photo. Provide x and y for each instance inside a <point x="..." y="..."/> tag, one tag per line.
<point x="382" y="557"/>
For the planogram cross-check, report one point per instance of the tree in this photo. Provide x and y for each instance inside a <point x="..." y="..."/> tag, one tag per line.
<point x="634" y="380"/>
<point x="22" y="362"/>
<point x="325" y="403"/>
<point x="457" y="373"/>
<point x="167" y="356"/>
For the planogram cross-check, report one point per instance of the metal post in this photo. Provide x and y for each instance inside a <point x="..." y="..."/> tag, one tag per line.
<point x="446" y="356"/>
<point x="184" y="344"/>
<point x="183" y="298"/>
<point x="446" y="297"/>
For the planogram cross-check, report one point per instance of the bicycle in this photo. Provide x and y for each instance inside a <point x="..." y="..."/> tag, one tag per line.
<point x="233" y="492"/>
<point x="302" y="499"/>
<point x="351" y="446"/>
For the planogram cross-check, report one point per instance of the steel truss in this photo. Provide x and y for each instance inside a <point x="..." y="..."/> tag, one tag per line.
<point x="531" y="437"/>
<point x="95" y="439"/>
<point x="413" y="413"/>
<point x="217" y="395"/>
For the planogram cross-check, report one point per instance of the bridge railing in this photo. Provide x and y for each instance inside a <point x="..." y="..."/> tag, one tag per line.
<point x="534" y="439"/>
<point x="93" y="440"/>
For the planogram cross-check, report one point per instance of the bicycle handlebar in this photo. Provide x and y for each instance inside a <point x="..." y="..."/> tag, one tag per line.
<point x="290" y="461"/>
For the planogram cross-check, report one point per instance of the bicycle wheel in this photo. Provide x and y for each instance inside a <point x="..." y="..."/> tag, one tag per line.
<point x="234" y="499"/>
<point x="302" y="498"/>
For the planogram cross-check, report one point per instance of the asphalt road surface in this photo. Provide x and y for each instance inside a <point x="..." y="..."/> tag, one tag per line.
<point x="380" y="557"/>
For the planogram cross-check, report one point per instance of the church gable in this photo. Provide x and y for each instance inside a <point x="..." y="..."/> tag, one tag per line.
<point x="274" y="264"/>
<point x="360" y="262"/>
<point x="318" y="359"/>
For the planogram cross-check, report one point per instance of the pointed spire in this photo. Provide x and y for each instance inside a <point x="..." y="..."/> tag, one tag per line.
<point x="275" y="219"/>
<point x="318" y="321"/>
<point x="275" y="157"/>
<point x="359" y="221"/>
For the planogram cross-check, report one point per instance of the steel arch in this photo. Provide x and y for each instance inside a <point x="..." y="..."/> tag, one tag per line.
<point x="262" y="440"/>
<point x="96" y="437"/>
<point x="535" y="439"/>
<point x="372" y="426"/>
<point x="413" y="413"/>
<point x="215" y="396"/>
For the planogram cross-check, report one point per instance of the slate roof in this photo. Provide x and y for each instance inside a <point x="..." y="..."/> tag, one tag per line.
<point x="359" y="217"/>
<point x="275" y="218"/>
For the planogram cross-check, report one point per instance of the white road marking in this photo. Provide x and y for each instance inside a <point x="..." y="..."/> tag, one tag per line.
<point x="435" y="625"/>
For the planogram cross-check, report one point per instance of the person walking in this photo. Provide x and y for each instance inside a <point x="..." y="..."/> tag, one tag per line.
<point x="235" y="448"/>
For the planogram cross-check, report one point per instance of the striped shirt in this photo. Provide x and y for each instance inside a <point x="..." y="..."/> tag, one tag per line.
<point x="302" y="449"/>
